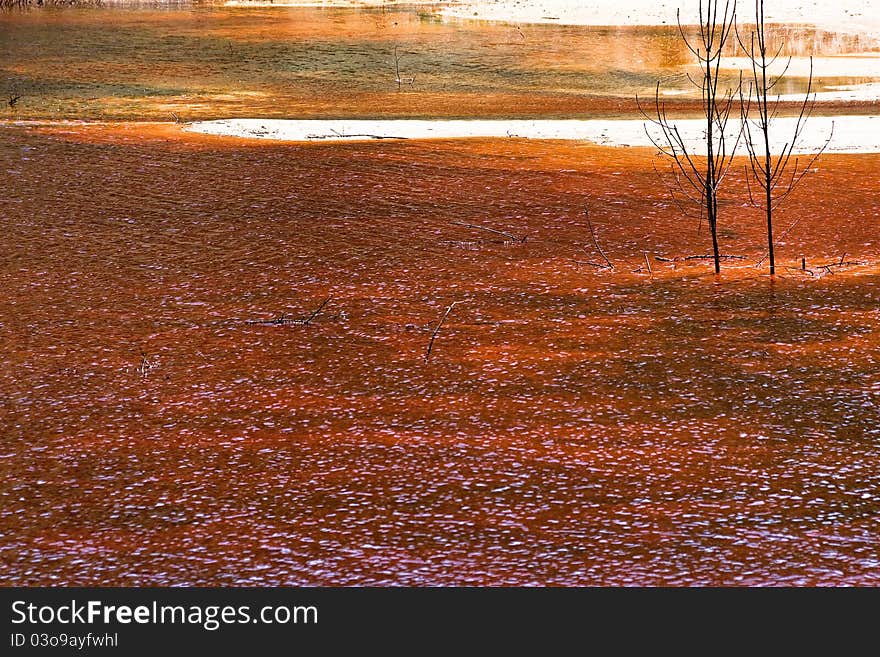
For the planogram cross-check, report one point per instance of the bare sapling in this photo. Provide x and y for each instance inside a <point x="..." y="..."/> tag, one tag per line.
<point x="697" y="173"/>
<point x="772" y="174"/>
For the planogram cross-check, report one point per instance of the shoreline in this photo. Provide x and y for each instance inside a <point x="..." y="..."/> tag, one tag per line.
<point x="857" y="16"/>
<point x="851" y="134"/>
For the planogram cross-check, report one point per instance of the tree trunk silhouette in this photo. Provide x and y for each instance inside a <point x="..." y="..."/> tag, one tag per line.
<point x="697" y="178"/>
<point x="775" y="176"/>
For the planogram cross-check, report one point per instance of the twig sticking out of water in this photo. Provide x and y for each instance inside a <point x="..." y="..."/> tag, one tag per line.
<point x="801" y="269"/>
<point x="578" y="263"/>
<point x="648" y="265"/>
<point x="779" y="237"/>
<point x="843" y="263"/>
<point x="827" y="268"/>
<point x="146" y="365"/>
<point x="511" y="237"/>
<point x="438" y="327"/>
<point x="699" y="257"/>
<point x="317" y="310"/>
<point x="399" y="80"/>
<point x="595" y="241"/>
<point x="283" y="319"/>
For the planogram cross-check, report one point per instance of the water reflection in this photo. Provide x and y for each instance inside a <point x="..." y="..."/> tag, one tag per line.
<point x="211" y="62"/>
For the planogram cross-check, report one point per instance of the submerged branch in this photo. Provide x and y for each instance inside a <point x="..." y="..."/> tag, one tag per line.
<point x="595" y="241"/>
<point x="283" y="319"/>
<point x="438" y="327"/>
<point x="700" y="257"/>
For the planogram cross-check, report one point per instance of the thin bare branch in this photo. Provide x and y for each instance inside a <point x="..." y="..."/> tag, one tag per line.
<point x="438" y="327"/>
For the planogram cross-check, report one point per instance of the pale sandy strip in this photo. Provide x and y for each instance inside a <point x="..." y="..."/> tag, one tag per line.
<point x="852" y="134"/>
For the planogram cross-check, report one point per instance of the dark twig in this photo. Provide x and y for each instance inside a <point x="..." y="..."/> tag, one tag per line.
<point x="801" y="269"/>
<point x="438" y="327"/>
<point x="709" y="256"/>
<point x="842" y="263"/>
<point x="595" y="241"/>
<point x="314" y="314"/>
<point x="364" y="136"/>
<point x="779" y="237"/>
<point x="597" y="265"/>
<point x="283" y="319"/>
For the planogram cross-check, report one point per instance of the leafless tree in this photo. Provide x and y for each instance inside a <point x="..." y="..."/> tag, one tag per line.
<point x="696" y="177"/>
<point x="775" y="175"/>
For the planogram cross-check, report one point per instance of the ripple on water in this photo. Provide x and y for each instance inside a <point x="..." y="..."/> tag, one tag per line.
<point x="570" y="426"/>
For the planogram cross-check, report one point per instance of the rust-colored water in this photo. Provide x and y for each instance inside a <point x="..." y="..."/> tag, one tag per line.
<point x="572" y="426"/>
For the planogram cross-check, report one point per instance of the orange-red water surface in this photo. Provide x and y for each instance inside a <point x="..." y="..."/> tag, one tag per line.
<point x="572" y="426"/>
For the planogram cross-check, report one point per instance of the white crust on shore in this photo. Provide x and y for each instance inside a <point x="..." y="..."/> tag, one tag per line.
<point x="859" y="16"/>
<point x="852" y="134"/>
